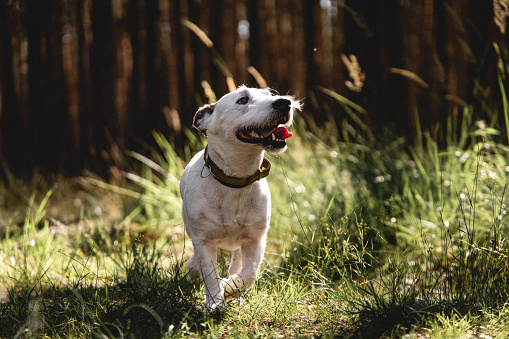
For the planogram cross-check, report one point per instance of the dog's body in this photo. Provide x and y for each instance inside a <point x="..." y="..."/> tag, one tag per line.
<point x="220" y="212"/>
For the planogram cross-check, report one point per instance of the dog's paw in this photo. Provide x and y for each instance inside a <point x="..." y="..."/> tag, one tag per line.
<point x="214" y="309"/>
<point x="233" y="287"/>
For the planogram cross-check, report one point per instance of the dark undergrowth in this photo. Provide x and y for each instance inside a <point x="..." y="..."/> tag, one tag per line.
<point x="143" y="304"/>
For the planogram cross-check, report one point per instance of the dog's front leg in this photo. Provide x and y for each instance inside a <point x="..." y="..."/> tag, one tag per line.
<point x="252" y="255"/>
<point x="206" y="256"/>
<point x="236" y="262"/>
<point x="233" y="283"/>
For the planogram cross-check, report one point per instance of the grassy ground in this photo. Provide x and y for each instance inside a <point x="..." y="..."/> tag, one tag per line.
<point x="367" y="239"/>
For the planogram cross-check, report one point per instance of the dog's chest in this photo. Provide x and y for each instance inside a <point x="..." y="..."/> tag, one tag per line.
<point x="239" y="216"/>
<point x="243" y="210"/>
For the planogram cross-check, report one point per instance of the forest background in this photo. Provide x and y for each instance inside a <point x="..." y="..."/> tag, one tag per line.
<point x="77" y="77"/>
<point x="389" y="208"/>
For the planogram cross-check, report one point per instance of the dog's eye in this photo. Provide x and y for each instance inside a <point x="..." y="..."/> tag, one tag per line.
<point x="243" y="101"/>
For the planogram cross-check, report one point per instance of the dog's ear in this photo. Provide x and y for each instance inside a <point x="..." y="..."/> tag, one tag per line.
<point x="201" y="116"/>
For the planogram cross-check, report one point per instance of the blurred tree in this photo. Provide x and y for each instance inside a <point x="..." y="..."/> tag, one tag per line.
<point x="77" y="77"/>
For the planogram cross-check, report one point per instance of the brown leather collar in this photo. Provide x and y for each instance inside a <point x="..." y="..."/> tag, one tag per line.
<point x="235" y="182"/>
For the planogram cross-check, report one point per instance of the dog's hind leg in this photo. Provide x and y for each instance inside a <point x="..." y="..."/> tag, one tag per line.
<point x="192" y="268"/>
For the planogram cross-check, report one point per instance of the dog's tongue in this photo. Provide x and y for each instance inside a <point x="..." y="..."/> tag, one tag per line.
<point x="279" y="132"/>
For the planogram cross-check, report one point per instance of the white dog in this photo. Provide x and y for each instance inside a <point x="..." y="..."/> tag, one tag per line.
<point x="226" y="199"/>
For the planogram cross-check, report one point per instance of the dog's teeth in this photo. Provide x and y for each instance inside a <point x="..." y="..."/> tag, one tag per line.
<point x="253" y="134"/>
<point x="273" y="137"/>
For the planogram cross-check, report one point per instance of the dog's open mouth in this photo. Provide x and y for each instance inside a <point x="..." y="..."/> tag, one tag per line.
<point x="272" y="135"/>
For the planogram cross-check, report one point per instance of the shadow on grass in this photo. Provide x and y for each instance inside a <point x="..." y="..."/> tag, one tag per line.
<point x="473" y="281"/>
<point x="148" y="303"/>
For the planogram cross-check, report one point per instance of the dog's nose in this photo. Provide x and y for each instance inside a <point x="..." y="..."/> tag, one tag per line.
<point x="282" y="105"/>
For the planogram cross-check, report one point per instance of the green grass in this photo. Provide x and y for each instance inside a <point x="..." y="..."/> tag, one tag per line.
<point x="369" y="237"/>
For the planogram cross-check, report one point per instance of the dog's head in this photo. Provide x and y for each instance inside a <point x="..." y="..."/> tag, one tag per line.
<point x="249" y="116"/>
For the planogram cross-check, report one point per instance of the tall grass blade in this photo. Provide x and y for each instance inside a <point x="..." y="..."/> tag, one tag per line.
<point x="348" y="105"/>
<point x="217" y="58"/>
<point x="505" y="105"/>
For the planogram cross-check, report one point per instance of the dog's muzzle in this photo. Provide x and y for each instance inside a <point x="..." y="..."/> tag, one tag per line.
<point x="275" y="132"/>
